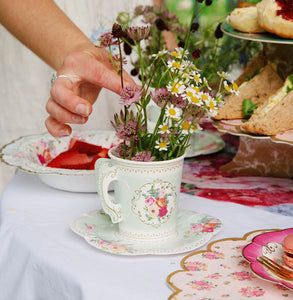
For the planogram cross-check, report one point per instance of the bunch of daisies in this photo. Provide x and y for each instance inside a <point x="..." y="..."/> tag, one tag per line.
<point x="181" y="94"/>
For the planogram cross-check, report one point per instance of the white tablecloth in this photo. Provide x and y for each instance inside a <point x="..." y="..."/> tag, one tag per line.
<point x="41" y="258"/>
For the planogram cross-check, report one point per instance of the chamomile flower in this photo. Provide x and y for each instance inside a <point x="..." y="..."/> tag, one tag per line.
<point x="206" y="83"/>
<point x="196" y="127"/>
<point x="196" y="77"/>
<point x="161" y="145"/>
<point x="206" y="98"/>
<point x="174" y="65"/>
<point x="163" y="128"/>
<point x="176" y="88"/>
<point x="232" y="88"/>
<point x="160" y="53"/>
<point x="193" y="96"/>
<point x="186" y="127"/>
<point x="178" y="52"/>
<point x="173" y="112"/>
<point x="223" y="75"/>
<point x="212" y="107"/>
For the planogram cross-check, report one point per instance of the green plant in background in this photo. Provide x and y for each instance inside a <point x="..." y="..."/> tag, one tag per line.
<point x="218" y="51"/>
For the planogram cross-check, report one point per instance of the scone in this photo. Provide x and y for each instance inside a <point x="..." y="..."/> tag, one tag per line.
<point x="274" y="17"/>
<point x="257" y="89"/>
<point x="245" y="20"/>
<point x="275" y="114"/>
<point x="241" y="4"/>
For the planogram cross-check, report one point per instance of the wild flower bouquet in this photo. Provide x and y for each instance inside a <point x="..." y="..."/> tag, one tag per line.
<point x="182" y="95"/>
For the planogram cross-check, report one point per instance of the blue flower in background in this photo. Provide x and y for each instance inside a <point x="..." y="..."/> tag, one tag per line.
<point x="283" y="209"/>
<point x="96" y="33"/>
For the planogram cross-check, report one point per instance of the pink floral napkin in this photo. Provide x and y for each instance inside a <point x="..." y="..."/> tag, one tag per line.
<point x="222" y="273"/>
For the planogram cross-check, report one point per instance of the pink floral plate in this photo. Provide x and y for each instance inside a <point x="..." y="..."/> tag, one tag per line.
<point x="193" y="230"/>
<point x="222" y="272"/>
<point x="267" y="244"/>
<point x="31" y="153"/>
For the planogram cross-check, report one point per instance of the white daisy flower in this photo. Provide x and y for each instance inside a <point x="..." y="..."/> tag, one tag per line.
<point x="174" y="65"/>
<point x="162" y="146"/>
<point x="196" y="77"/>
<point x="206" y="98"/>
<point x="163" y="128"/>
<point x="206" y="83"/>
<point x="196" y="127"/>
<point x="160" y="53"/>
<point x="212" y="107"/>
<point x="232" y="88"/>
<point x="177" y="87"/>
<point x="173" y="112"/>
<point x="178" y="52"/>
<point x="193" y="96"/>
<point x="186" y="127"/>
<point x="223" y="75"/>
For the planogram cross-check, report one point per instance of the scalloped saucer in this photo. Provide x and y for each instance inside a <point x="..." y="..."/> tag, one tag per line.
<point x="193" y="230"/>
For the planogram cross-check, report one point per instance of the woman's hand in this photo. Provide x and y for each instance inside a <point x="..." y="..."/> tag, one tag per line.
<point x="87" y="71"/>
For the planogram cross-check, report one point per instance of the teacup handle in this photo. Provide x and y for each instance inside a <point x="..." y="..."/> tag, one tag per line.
<point x="105" y="174"/>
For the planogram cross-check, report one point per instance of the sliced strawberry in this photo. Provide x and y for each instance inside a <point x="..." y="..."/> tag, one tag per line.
<point x="84" y="147"/>
<point x="104" y="153"/>
<point x="95" y="158"/>
<point x="55" y="162"/>
<point x="78" y="161"/>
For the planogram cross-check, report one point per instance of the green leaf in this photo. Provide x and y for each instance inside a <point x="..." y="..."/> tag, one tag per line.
<point x="248" y="107"/>
<point x="290" y="88"/>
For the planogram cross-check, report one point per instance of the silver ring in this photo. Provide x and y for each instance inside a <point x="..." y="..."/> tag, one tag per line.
<point x="54" y="77"/>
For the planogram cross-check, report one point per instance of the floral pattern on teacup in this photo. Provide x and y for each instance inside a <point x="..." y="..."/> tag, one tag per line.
<point x="154" y="202"/>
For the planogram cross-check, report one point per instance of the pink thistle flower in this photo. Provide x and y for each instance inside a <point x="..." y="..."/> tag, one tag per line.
<point x="143" y="156"/>
<point x="107" y="39"/>
<point x="161" y="96"/>
<point x="138" y="33"/>
<point x="127" y="131"/>
<point x="117" y="61"/>
<point x="130" y="94"/>
<point x="179" y="102"/>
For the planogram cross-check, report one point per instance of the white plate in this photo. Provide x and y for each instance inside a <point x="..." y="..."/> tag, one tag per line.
<point x="193" y="230"/>
<point x="264" y="37"/>
<point x="30" y="154"/>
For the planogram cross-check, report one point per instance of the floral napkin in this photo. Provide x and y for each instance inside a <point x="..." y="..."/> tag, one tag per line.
<point x="222" y="273"/>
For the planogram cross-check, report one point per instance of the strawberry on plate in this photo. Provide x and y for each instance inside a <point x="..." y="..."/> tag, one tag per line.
<point x="79" y="156"/>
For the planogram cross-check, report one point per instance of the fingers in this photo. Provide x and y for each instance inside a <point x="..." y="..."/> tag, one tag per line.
<point x="98" y="70"/>
<point x="56" y="128"/>
<point x="63" y="115"/>
<point x="63" y="96"/>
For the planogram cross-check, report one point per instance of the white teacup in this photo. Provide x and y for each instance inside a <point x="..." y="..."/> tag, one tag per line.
<point x="146" y="195"/>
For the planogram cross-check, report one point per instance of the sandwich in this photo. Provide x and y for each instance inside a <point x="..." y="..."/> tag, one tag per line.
<point x="275" y="115"/>
<point x="257" y="89"/>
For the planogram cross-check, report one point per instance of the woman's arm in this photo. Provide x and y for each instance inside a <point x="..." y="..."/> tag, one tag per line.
<point x="43" y="27"/>
<point x="49" y="33"/>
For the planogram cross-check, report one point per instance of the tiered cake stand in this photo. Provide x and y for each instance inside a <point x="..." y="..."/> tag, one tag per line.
<point x="262" y="155"/>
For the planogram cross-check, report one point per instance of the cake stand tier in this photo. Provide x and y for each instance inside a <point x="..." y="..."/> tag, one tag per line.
<point x="259" y="155"/>
<point x="262" y="155"/>
<point x="277" y="50"/>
